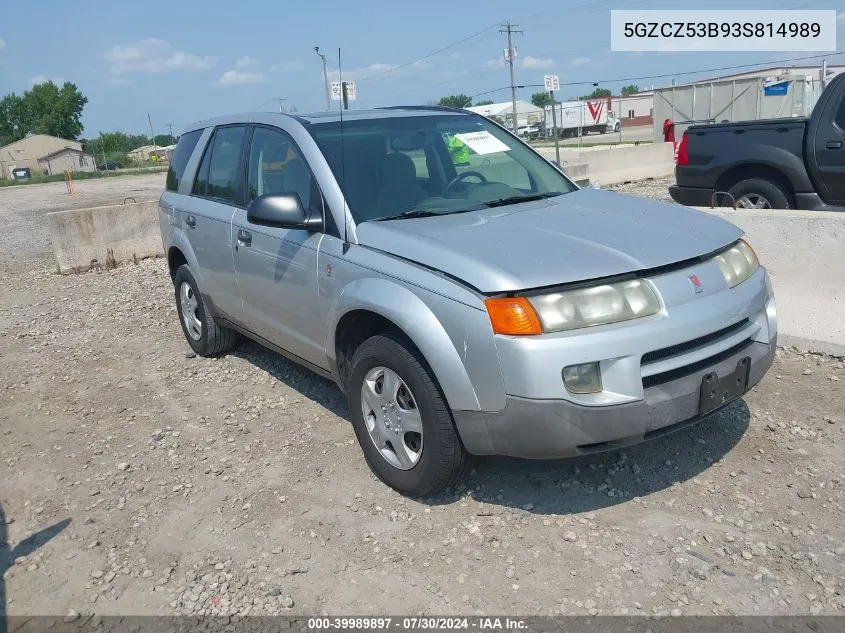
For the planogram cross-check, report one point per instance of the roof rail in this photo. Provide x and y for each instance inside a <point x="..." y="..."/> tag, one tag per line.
<point x="422" y="107"/>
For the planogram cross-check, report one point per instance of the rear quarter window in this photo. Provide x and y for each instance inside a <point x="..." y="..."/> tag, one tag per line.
<point x="184" y="148"/>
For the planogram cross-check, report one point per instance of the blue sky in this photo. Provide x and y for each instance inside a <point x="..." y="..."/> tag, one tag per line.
<point x="183" y="60"/>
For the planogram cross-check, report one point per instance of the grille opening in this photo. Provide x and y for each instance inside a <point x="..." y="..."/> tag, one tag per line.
<point x="683" y="348"/>
<point x="682" y="372"/>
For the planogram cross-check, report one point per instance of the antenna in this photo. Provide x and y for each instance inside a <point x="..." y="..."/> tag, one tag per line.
<point x="342" y="154"/>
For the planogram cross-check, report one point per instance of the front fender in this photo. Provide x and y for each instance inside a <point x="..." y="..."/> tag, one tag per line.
<point x="411" y="315"/>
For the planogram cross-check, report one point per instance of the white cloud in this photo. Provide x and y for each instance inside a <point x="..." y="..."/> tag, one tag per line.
<point x="238" y="78"/>
<point x="286" y="67"/>
<point x="40" y="79"/>
<point x="537" y="62"/>
<point x="154" y="56"/>
<point x="246" y="62"/>
<point x="2" y="44"/>
<point x="381" y="69"/>
<point x="581" y="61"/>
<point x="495" y="64"/>
<point x="840" y="19"/>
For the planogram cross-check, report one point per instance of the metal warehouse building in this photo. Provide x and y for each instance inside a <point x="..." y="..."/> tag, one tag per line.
<point x="759" y="94"/>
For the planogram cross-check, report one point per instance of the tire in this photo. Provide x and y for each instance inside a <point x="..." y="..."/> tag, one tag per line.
<point x="758" y="193"/>
<point x="441" y="458"/>
<point x="213" y="339"/>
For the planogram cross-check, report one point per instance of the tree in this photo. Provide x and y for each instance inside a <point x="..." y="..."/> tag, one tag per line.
<point x="484" y="103"/>
<point x="541" y="99"/>
<point x="163" y="140"/>
<point x="12" y="119"/>
<point x="598" y="93"/>
<point x="630" y="90"/>
<point x="456" y="101"/>
<point x="44" y="109"/>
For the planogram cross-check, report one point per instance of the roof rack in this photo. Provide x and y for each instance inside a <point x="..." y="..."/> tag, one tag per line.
<point x="422" y="107"/>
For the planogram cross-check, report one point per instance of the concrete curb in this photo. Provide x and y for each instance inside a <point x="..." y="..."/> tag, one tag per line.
<point x="803" y="251"/>
<point x="103" y="237"/>
<point x="619" y="164"/>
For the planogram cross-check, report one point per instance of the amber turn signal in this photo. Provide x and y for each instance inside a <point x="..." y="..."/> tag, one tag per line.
<point x="513" y="316"/>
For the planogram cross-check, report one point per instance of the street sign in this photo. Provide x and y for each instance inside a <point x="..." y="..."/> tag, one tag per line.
<point x="552" y="82"/>
<point x="337" y="91"/>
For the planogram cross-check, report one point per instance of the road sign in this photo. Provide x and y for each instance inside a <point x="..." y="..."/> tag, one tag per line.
<point x="552" y="82"/>
<point x="337" y="91"/>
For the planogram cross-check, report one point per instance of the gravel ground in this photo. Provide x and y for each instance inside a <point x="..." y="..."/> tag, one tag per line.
<point x="182" y="485"/>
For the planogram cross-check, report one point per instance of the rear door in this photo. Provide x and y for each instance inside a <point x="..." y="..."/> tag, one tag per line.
<point x="206" y="217"/>
<point x="826" y="146"/>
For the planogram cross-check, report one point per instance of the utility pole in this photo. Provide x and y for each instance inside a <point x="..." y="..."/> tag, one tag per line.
<point x="554" y="127"/>
<point x="153" y="135"/>
<point x="325" y="78"/>
<point x="509" y="55"/>
<point x="170" y="127"/>
<point x="823" y="78"/>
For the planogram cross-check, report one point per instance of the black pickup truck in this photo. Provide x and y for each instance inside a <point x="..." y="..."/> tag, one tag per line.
<point x="795" y="163"/>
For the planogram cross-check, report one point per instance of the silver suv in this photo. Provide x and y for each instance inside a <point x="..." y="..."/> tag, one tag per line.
<point x="465" y="295"/>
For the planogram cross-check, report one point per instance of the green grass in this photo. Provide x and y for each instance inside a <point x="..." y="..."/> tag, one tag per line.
<point x="83" y="175"/>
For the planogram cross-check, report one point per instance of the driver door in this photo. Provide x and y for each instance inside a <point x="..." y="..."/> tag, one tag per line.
<point x="276" y="268"/>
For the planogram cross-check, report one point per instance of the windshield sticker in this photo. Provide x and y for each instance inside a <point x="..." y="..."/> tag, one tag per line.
<point x="482" y="142"/>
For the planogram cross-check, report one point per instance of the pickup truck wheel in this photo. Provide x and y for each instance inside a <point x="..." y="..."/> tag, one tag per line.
<point x="202" y="332"/>
<point x="401" y="419"/>
<point x="756" y="193"/>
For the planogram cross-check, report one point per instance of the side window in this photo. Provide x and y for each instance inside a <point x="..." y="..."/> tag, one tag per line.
<point x="184" y="148"/>
<point x="276" y="166"/>
<point x="839" y="119"/>
<point x="201" y="181"/>
<point x="224" y="173"/>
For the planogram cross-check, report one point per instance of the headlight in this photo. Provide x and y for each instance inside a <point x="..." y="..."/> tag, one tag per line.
<point x="597" y="305"/>
<point x="738" y="263"/>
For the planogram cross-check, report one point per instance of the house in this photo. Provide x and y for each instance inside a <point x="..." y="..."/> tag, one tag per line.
<point x="64" y="159"/>
<point x="28" y="152"/>
<point x="142" y="154"/>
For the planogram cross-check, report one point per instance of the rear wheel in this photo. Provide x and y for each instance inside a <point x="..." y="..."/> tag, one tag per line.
<point x="758" y="193"/>
<point x="402" y="422"/>
<point x="202" y="332"/>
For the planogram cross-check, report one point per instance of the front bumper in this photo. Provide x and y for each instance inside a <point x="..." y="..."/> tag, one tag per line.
<point x="548" y="429"/>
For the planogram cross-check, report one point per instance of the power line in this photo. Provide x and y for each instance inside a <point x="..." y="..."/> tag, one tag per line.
<point x="664" y="75"/>
<point x="430" y="55"/>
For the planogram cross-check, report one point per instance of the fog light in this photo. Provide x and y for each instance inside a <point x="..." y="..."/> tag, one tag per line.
<point x="585" y="378"/>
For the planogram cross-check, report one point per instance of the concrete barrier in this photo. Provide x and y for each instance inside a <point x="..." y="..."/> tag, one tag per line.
<point x="102" y="237"/>
<point x="804" y="252"/>
<point x="622" y="163"/>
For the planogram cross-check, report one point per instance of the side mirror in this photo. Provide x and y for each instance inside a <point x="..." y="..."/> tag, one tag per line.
<point x="283" y="211"/>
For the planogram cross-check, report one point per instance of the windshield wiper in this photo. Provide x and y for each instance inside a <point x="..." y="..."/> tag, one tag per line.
<point x="503" y="202"/>
<point x="413" y="213"/>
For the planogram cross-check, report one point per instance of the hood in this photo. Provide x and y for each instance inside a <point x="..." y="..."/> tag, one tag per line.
<point x="586" y="234"/>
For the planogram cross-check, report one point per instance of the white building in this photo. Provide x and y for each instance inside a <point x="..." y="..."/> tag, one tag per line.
<point x="635" y="109"/>
<point x="526" y="113"/>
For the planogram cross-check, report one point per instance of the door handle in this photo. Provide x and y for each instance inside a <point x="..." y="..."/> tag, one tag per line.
<point x="244" y="238"/>
<point x="191" y="221"/>
<point x="834" y="145"/>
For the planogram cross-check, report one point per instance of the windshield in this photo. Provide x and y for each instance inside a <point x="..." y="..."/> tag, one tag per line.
<point x="432" y="165"/>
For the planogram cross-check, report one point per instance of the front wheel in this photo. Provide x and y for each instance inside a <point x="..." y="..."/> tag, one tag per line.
<point x="402" y="422"/>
